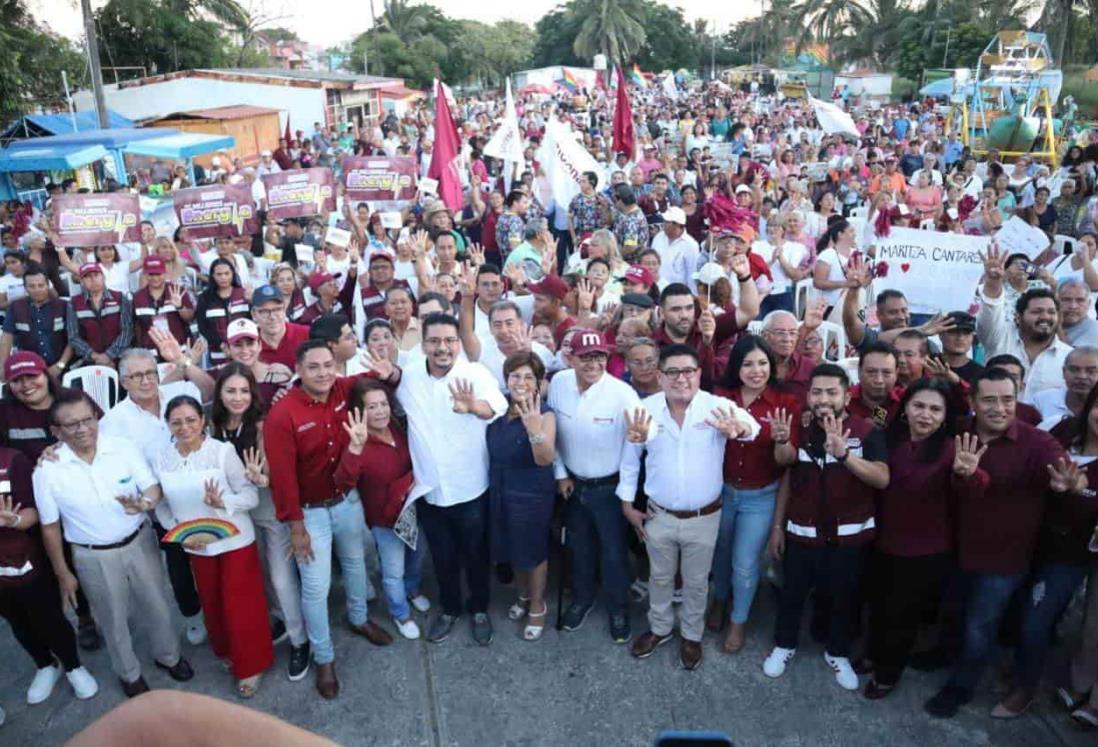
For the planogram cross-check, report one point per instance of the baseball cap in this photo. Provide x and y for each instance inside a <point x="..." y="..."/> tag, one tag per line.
<point x="550" y="285"/>
<point x="265" y="294"/>
<point x="586" y="341"/>
<point x="154" y="266"/>
<point x="743" y="188"/>
<point x="88" y="268"/>
<point x="962" y="321"/>
<point x="742" y="232"/>
<point x="23" y="363"/>
<point x="642" y="300"/>
<point x="265" y="154"/>
<point x="318" y="279"/>
<point x="240" y="328"/>
<point x="710" y="273"/>
<point x="638" y="274"/>
<point x="381" y="255"/>
<point x="674" y="215"/>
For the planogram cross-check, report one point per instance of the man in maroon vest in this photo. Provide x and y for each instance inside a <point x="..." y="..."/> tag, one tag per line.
<point x="161" y="304"/>
<point x="36" y="323"/>
<point x="824" y="519"/>
<point x="100" y="320"/>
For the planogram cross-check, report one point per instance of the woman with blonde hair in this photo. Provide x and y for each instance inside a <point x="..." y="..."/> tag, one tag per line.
<point x="176" y="270"/>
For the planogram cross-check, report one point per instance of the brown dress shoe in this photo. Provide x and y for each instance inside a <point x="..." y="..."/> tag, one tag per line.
<point x="327" y="684"/>
<point x="717" y="617"/>
<point x="690" y="654"/>
<point x="135" y="688"/>
<point x="734" y="639"/>
<point x="373" y="633"/>
<point x="646" y="644"/>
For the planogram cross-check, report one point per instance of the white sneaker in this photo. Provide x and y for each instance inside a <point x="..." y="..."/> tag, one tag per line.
<point x="196" y="630"/>
<point x="844" y="673"/>
<point x="420" y="602"/>
<point x="83" y="684"/>
<point x="43" y="683"/>
<point x="408" y="628"/>
<point x="774" y="666"/>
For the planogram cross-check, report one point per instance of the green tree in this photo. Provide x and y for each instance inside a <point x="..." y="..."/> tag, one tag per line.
<point x="554" y="39"/>
<point x="31" y="65"/>
<point x="406" y="20"/>
<point x="150" y="34"/>
<point x="669" y="41"/>
<point x="615" y="28"/>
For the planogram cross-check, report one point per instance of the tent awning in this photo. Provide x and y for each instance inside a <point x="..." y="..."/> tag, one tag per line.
<point x="115" y="138"/>
<point x="180" y="145"/>
<point x="50" y="158"/>
<point x="941" y="87"/>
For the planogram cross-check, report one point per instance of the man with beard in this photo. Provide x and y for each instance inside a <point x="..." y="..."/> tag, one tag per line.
<point x="1030" y="336"/>
<point x="824" y="518"/>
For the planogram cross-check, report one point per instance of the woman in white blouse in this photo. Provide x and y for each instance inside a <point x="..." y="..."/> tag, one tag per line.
<point x="829" y="274"/>
<point x="203" y="480"/>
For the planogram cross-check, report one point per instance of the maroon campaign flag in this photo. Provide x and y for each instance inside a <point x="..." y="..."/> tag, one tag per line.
<point x="94" y="219"/>
<point x="299" y="192"/>
<point x="444" y="157"/>
<point x="216" y="210"/>
<point x="379" y="179"/>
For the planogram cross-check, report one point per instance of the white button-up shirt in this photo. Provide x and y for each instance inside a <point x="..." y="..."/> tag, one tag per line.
<point x="449" y="450"/>
<point x="590" y="426"/>
<point x="678" y="258"/>
<point x="685" y="464"/>
<point x="86" y="495"/>
<point x="492" y="358"/>
<point x="998" y="332"/>
<point x="483" y="327"/>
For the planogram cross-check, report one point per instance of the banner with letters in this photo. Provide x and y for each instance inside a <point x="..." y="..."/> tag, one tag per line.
<point x="299" y="193"/>
<point x="93" y="219"/>
<point x="936" y="271"/>
<point x="385" y="183"/>
<point x="564" y="160"/>
<point x="216" y="210"/>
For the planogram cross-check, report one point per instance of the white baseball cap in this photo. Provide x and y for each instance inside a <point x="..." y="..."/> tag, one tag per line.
<point x="241" y="328"/>
<point x="674" y="214"/>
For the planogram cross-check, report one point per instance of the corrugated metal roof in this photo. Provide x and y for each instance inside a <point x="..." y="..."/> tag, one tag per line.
<point x="61" y="124"/>
<point x="223" y="112"/>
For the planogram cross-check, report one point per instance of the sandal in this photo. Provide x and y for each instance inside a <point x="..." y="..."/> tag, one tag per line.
<point x="247" y="688"/>
<point x="518" y="610"/>
<point x="533" y="632"/>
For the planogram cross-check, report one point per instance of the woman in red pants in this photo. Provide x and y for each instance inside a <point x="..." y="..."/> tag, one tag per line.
<point x="203" y="481"/>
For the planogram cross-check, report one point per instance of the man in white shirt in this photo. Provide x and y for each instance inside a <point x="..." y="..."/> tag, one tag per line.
<point x="590" y="406"/>
<point x="1080" y="376"/>
<point x="490" y="289"/>
<point x="267" y="164"/>
<point x="683" y="431"/>
<point x="139" y="421"/>
<point x="677" y="249"/>
<point x="510" y="334"/>
<point x="102" y="488"/>
<point x="1028" y="332"/>
<point x="449" y="405"/>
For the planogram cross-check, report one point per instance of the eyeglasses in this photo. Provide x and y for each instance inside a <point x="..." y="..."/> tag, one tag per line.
<point x="678" y="373"/>
<point x="76" y="425"/>
<point x="137" y="376"/>
<point x="267" y="313"/>
<point x="436" y="341"/>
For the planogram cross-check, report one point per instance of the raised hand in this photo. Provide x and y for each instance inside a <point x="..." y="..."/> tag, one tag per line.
<point x="356" y="430"/>
<point x="523" y="339"/>
<point x="781" y="424"/>
<point x="857" y="272"/>
<point x="637" y="425"/>
<point x="175" y="296"/>
<point x="835" y="436"/>
<point x="1066" y="476"/>
<point x="255" y="467"/>
<point x="966" y="457"/>
<point x="467" y="281"/>
<point x="740" y="265"/>
<point x="166" y="344"/>
<point x="725" y="422"/>
<point x="585" y="294"/>
<point x="476" y="255"/>
<point x="9" y="511"/>
<point x="465" y="399"/>
<point x="529" y="410"/>
<point x="380" y="365"/>
<point x="213" y="497"/>
<point x="994" y="262"/>
<point x="936" y="367"/>
<point x="419" y="244"/>
<point x="198" y="349"/>
<point x="814" y="314"/>
<point x="707" y="325"/>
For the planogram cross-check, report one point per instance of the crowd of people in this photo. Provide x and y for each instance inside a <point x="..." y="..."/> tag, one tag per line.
<point x="634" y="365"/>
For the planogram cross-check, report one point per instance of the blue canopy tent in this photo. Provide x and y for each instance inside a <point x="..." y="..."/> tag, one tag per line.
<point x="43" y="125"/>
<point x="46" y="158"/>
<point x="942" y="87"/>
<point x="180" y="146"/>
<point x="113" y="140"/>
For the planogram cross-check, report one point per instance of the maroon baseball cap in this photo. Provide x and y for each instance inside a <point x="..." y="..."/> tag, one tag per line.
<point x="318" y="279"/>
<point x="23" y="363"/>
<point x="638" y="274"/>
<point x="154" y="266"/>
<point x="550" y="285"/>
<point x="88" y="268"/>
<point x="586" y="341"/>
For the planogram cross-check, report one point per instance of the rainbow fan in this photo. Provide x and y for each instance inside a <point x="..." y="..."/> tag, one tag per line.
<point x="201" y="532"/>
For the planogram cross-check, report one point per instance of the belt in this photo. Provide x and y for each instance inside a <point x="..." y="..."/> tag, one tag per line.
<point x="326" y="504"/>
<point x="705" y="510"/>
<point x="112" y="545"/>
<point x="595" y="482"/>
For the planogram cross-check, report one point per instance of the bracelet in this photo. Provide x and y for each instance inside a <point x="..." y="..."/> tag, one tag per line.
<point x="743" y="280"/>
<point x="536" y="438"/>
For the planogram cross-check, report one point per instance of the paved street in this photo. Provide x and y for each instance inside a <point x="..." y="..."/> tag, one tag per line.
<point x="567" y="689"/>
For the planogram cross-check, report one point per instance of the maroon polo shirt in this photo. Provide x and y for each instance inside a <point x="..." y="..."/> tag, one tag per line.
<point x="286" y="352"/>
<point x="914" y="511"/>
<point x="18" y="545"/>
<point x="27" y="430"/>
<point x="382" y="474"/>
<point x="750" y="464"/>
<point x="1000" y="508"/>
<point x="726" y="328"/>
<point x="1070" y="518"/>
<point x="798" y="376"/>
<point x="880" y="415"/>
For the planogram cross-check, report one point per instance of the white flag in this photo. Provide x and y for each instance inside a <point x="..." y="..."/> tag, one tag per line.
<point x="564" y="161"/>
<point x="669" y="87"/>
<point x="833" y="119"/>
<point x="506" y="143"/>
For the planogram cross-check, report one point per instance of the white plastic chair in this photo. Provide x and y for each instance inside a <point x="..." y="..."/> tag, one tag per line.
<point x="99" y="382"/>
<point x="862" y="211"/>
<point x="834" y="340"/>
<point x="927" y="225"/>
<point x="800" y="296"/>
<point x="850" y="365"/>
<point x="1063" y="244"/>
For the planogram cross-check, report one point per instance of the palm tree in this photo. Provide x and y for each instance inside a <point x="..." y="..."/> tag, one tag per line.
<point x="229" y="12"/>
<point x="614" y="28"/>
<point x="404" y="19"/>
<point x="829" y="20"/>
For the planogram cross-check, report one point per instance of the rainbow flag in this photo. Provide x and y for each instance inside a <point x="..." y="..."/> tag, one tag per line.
<point x="637" y="77"/>
<point x="570" y="81"/>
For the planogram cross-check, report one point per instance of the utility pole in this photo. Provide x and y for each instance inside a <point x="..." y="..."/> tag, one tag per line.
<point x="93" y="63"/>
<point x="713" y="53"/>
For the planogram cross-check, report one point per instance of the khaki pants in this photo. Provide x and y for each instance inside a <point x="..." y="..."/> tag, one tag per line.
<point x="670" y="539"/>
<point x="1084" y="664"/>
<point x="112" y="579"/>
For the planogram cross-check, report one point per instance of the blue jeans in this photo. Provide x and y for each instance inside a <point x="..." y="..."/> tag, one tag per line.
<point x="401" y="570"/>
<point x="745" y="527"/>
<point x="986" y="598"/>
<point x="596" y="533"/>
<point x="344" y="526"/>
<point x="1046" y="597"/>
<point x="458" y="536"/>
